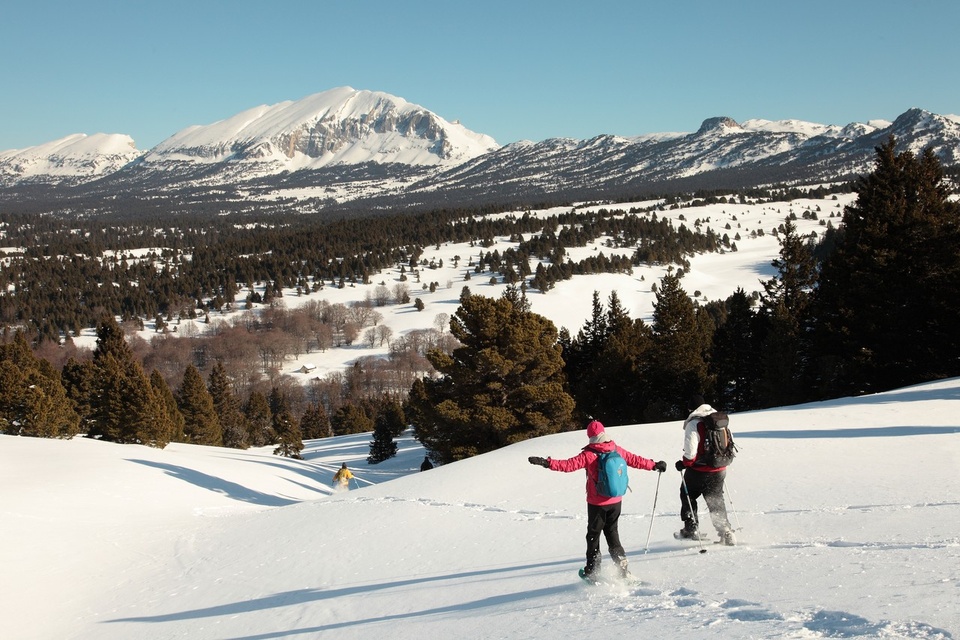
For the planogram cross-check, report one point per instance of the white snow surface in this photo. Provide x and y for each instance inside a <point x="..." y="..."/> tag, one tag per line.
<point x="807" y="129"/>
<point x="846" y="514"/>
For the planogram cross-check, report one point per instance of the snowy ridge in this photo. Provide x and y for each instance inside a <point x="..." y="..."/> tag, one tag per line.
<point x="343" y="146"/>
<point x="337" y="126"/>
<point x="809" y="129"/>
<point x="76" y="156"/>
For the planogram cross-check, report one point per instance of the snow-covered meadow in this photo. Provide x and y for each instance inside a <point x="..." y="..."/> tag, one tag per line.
<point x="715" y="276"/>
<point x="847" y="514"/>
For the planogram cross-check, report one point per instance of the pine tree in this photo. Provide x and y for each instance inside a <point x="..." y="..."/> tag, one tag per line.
<point x="147" y="419"/>
<point x="735" y="355"/>
<point x="163" y="392"/>
<point x="382" y="447"/>
<point x="504" y="384"/>
<point x="785" y="310"/>
<point x="392" y="414"/>
<point x="115" y="395"/>
<point x="200" y="422"/>
<point x="289" y="444"/>
<point x="889" y="294"/>
<point x="389" y="424"/>
<point x="608" y="358"/>
<point x="112" y="362"/>
<point x="580" y="354"/>
<point x="227" y="406"/>
<point x="350" y="418"/>
<point x="111" y="340"/>
<point x="33" y="402"/>
<point x="78" y="380"/>
<point x="681" y="339"/>
<point x="622" y="366"/>
<point x="109" y="413"/>
<point x="315" y="423"/>
<point x="259" y="420"/>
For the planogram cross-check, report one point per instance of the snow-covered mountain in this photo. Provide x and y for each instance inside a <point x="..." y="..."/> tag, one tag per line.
<point x="339" y="126"/>
<point x="342" y="126"/>
<point x="721" y="152"/>
<point x="343" y="146"/>
<point x="74" y="158"/>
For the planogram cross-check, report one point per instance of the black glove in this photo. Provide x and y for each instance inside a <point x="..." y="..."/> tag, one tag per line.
<point x="543" y="462"/>
<point x="679" y="465"/>
<point x="660" y="466"/>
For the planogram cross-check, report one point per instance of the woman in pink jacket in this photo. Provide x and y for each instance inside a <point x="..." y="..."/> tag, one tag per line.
<point x="603" y="512"/>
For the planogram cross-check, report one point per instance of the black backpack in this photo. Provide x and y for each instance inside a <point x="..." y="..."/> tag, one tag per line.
<point x="718" y="446"/>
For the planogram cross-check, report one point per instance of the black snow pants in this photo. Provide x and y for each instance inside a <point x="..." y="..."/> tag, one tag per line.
<point x="710" y="486"/>
<point x="603" y="519"/>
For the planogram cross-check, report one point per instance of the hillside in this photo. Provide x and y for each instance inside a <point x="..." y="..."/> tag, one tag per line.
<point x="714" y="275"/>
<point x="846" y="512"/>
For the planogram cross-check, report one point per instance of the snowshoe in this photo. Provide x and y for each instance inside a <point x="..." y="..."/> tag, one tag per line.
<point x="686" y="534"/>
<point x="589" y="578"/>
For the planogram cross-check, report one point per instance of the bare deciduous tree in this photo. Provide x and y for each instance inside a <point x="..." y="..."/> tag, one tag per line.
<point x="401" y="293"/>
<point x="381" y="295"/>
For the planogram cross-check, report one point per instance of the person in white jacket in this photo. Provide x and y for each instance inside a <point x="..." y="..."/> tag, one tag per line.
<point x="700" y="479"/>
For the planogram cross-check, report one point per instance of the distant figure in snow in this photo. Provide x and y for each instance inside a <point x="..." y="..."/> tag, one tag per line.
<point x="426" y="465"/>
<point x="603" y="512"/>
<point x="342" y="478"/>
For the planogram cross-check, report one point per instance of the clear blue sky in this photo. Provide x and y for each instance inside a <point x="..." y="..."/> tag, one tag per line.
<point x="513" y="69"/>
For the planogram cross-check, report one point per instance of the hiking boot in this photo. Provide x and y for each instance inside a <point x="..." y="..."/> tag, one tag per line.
<point x="592" y="575"/>
<point x="625" y="570"/>
<point x="688" y="533"/>
<point x="728" y="538"/>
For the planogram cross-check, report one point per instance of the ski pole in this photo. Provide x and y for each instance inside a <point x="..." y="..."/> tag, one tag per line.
<point x="736" y="516"/>
<point x="686" y="492"/>
<point x="653" y="513"/>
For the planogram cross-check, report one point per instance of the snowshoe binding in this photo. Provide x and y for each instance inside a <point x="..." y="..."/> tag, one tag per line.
<point x="689" y="534"/>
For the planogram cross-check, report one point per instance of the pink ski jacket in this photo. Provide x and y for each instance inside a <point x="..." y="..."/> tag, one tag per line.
<point x="587" y="459"/>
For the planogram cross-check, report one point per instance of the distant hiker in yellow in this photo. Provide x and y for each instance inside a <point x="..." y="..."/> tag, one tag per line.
<point x="342" y="478"/>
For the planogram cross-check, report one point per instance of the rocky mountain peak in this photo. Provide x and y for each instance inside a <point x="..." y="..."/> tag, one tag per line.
<point x="719" y="123"/>
<point x="339" y="126"/>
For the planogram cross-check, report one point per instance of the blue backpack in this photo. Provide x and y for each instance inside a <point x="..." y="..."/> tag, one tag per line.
<point x="611" y="474"/>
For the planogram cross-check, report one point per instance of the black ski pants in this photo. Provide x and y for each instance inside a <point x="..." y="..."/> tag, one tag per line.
<point x="710" y="486"/>
<point x="603" y="519"/>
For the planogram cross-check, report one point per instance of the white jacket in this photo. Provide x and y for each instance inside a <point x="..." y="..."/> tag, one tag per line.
<point x="691" y="438"/>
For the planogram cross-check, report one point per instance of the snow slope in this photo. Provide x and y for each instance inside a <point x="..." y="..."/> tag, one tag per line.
<point x="847" y="513"/>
